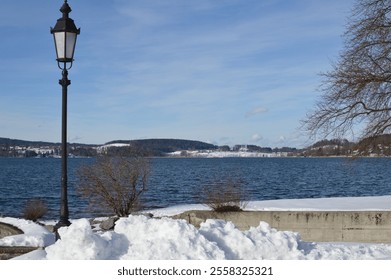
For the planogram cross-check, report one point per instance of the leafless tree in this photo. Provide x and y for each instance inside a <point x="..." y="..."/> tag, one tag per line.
<point x="114" y="183"/>
<point x="357" y="91"/>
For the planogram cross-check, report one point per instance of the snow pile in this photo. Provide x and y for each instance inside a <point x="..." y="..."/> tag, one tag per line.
<point x="262" y="242"/>
<point x="135" y="237"/>
<point x="140" y="237"/>
<point x="78" y="242"/>
<point x="143" y="238"/>
<point x="165" y="239"/>
<point x="34" y="234"/>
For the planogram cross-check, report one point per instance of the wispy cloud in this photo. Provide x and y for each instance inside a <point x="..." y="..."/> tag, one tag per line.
<point x="190" y="62"/>
<point x="173" y="68"/>
<point x="256" y="111"/>
<point x="256" y="137"/>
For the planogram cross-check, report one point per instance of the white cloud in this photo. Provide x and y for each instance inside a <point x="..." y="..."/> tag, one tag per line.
<point x="281" y="139"/>
<point x="256" y="137"/>
<point x="256" y="111"/>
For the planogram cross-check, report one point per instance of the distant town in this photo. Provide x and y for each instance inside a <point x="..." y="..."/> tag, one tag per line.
<point x="380" y="146"/>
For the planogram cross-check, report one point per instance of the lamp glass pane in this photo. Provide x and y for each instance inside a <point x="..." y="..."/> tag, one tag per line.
<point x="70" y="44"/>
<point x="59" y="37"/>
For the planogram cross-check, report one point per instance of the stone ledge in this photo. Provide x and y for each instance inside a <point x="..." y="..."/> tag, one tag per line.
<point x="7" y="253"/>
<point x="7" y="230"/>
<point x="317" y="226"/>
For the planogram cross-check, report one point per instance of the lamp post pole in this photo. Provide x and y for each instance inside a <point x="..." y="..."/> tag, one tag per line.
<point x="64" y="212"/>
<point x="65" y="34"/>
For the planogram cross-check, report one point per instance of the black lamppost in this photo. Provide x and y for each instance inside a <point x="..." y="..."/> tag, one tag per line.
<point x="65" y="34"/>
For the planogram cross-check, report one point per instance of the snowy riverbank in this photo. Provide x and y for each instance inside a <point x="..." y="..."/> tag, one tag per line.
<point x="140" y="237"/>
<point x="226" y="154"/>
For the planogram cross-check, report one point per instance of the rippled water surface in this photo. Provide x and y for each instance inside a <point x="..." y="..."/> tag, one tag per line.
<point x="179" y="180"/>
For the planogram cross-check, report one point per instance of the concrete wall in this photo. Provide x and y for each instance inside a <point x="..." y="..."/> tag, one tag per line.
<point x="319" y="226"/>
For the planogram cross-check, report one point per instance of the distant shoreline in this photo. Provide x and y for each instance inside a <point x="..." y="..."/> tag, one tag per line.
<point x="214" y="155"/>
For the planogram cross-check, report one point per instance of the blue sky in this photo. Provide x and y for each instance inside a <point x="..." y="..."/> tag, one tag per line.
<point x="220" y="71"/>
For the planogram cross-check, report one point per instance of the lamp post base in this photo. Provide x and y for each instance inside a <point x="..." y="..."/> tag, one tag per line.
<point x="61" y="223"/>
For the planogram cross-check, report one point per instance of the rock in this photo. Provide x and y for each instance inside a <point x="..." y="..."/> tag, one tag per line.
<point x="50" y="228"/>
<point x="109" y="223"/>
<point x="148" y="215"/>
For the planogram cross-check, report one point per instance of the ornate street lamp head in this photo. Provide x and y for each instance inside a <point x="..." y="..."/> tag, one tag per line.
<point x="65" y="34"/>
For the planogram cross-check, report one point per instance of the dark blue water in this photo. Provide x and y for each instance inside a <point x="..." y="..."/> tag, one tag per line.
<point x="179" y="180"/>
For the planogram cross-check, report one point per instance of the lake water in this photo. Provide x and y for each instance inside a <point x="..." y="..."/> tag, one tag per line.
<point x="179" y="180"/>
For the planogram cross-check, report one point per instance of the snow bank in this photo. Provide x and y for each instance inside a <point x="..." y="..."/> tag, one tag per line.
<point x="366" y="203"/>
<point x="135" y="237"/>
<point x="140" y="237"/>
<point x="143" y="238"/>
<point x="34" y="234"/>
<point x="262" y="242"/>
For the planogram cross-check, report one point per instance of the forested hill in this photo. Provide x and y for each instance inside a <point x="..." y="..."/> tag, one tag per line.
<point x="380" y="146"/>
<point x="158" y="146"/>
<point x="147" y="147"/>
<point x="24" y="148"/>
<point x="17" y="142"/>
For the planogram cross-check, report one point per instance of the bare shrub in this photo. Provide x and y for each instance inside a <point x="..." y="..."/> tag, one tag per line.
<point x="35" y="209"/>
<point x="224" y="196"/>
<point x="114" y="184"/>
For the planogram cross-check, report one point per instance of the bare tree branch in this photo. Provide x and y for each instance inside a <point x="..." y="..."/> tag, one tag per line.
<point x="356" y="93"/>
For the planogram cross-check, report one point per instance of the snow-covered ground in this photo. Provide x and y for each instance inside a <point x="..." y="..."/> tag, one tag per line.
<point x="140" y="237"/>
<point x="221" y="154"/>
